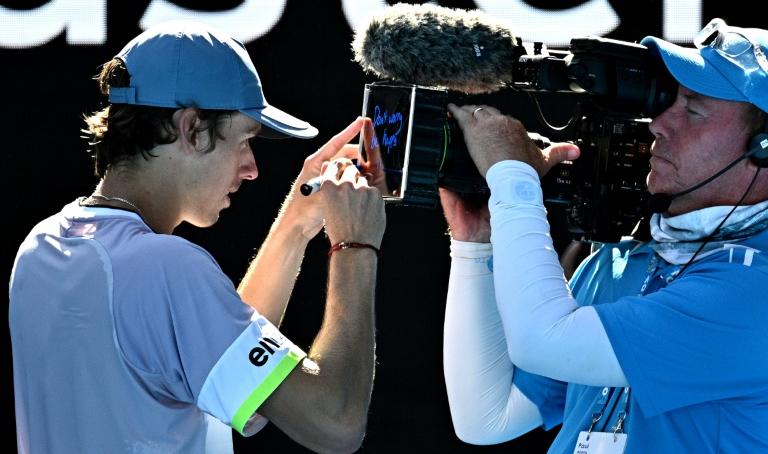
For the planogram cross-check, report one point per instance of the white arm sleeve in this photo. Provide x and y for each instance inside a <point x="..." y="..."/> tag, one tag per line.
<point x="547" y="333"/>
<point x="485" y="406"/>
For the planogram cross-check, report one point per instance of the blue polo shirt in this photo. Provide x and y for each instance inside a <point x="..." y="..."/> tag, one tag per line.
<point x="694" y="349"/>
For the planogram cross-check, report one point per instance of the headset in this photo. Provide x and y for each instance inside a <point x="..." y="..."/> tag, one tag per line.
<point x="757" y="151"/>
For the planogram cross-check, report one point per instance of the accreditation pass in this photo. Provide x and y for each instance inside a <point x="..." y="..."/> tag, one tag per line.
<point x="600" y="443"/>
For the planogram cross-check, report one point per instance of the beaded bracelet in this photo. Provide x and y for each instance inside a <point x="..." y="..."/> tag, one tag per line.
<point x="351" y="244"/>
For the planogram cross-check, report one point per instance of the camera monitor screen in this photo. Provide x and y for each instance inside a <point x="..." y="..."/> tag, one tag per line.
<point x="390" y="108"/>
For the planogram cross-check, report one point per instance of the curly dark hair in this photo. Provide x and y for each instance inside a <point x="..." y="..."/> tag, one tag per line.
<point x="121" y="132"/>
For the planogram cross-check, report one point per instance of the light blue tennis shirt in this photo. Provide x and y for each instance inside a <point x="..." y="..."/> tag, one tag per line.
<point x="694" y="350"/>
<point x="129" y="341"/>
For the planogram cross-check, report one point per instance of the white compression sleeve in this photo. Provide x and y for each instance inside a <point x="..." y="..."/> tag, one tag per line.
<point x="485" y="406"/>
<point x="546" y="332"/>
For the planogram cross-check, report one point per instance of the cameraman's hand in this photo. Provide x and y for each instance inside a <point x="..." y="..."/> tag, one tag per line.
<point x="468" y="219"/>
<point x="354" y="211"/>
<point x="306" y="213"/>
<point x="492" y="137"/>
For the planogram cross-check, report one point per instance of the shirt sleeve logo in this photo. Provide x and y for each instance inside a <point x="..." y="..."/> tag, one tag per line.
<point x="260" y="355"/>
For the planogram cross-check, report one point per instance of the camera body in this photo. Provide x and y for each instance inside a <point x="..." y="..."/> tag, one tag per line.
<point x="617" y="86"/>
<point x="603" y="193"/>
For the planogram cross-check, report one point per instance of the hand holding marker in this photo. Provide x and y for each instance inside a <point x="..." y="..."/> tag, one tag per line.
<point x="313" y="185"/>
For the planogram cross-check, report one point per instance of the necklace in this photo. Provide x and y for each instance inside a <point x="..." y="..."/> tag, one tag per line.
<point x="118" y="199"/>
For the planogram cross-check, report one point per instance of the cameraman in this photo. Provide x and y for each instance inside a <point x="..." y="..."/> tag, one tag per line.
<point x="657" y="347"/>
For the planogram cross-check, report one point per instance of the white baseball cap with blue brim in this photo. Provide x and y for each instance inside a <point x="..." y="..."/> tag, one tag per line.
<point x="728" y="62"/>
<point x="188" y="64"/>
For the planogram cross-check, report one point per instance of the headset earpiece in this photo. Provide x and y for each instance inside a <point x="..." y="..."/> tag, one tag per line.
<point x="758" y="150"/>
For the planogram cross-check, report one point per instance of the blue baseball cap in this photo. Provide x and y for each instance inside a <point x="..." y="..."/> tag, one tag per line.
<point x="189" y="64"/>
<point x="727" y="63"/>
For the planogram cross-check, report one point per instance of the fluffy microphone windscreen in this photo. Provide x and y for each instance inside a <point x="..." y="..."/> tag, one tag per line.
<point x="430" y="45"/>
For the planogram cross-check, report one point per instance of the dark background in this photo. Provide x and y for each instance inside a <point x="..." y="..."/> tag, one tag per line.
<point x="306" y="66"/>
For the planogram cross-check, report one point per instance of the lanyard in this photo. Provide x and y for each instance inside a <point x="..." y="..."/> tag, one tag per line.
<point x="599" y="409"/>
<point x="650" y="286"/>
<point x="653" y="263"/>
<point x="622" y="414"/>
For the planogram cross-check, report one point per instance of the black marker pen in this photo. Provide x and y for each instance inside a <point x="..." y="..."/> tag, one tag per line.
<point x="313" y="185"/>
